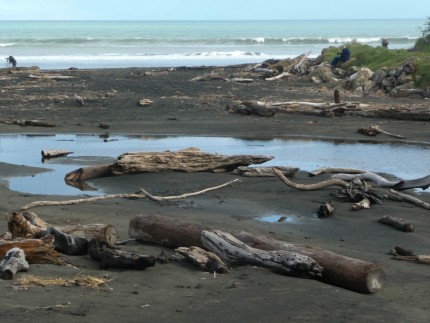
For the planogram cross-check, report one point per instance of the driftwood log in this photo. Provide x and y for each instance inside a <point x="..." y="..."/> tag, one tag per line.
<point x="188" y="160"/>
<point x="110" y="257"/>
<point x="265" y="171"/>
<point x="29" y="225"/>
<point x="68" y="244"/>
<point x="37" y="251"/>
<point x="249" y="107"/>
<point x="53" y="153"/>
<point x="235" y="252"/>
<point x="349" y="273"/>
<point x="402" y="197"/>
<point x="206" y="260"/>
<point x="13" y="262"/>
<point x="397" y="223"/>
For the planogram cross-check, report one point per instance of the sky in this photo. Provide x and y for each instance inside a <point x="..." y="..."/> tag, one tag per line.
<point x="211" y="9"/>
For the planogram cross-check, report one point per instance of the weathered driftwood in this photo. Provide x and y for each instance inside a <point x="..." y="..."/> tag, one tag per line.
<point x="335" y="170"/>
<point x="13" y="262"/>
<point x="90" y="172"/>
<point x="420" y="259"/>
<point x="209" y="77"/>
<point x="375" y="130"/>
<point x="370" y="177"/>
<point x="53" y="153"/>
<point x="397" y="223"/>
<point x="68" y="244"/>
<point x="349" y="273"/>
<point x="401" y="251"/>
<point x="326" y="209"/>
<point x="401" y="197"/>
<point x="279" y="76"/>
<point x="50" y="77"/>
<point x="311" y="187"/>
<point x="235" y="252"/>
<point x="110" y="257"/>
<point x="249" y="107"/>
<point x="165" y="231"/>
<point x="29" y="225"/>
<point x="188" y="160"/>
<point x="37" y="251"/>
<point x="31" y="123"/>
<point x="138" y="195"/>
<point x="423" y="183"/>
<point x="266" y="171"/>
<point x="358" y="191"/>
<point x="206" y="260"/>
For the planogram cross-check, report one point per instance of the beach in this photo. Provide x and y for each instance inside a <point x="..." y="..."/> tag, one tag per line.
<point x="181" y="292"/>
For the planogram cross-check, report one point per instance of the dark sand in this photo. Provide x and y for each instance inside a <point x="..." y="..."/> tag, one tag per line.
<point x="177" y="292"/>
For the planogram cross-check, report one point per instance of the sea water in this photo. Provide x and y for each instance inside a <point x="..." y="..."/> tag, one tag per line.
<point x="105" y="44"/>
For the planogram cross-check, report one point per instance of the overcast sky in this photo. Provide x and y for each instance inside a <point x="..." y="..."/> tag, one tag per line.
<point x="211" y="9"/>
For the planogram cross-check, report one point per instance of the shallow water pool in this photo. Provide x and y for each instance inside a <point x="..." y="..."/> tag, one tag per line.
<point x="404" y="160"/>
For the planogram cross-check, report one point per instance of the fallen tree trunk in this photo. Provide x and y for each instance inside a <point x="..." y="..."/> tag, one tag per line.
<point x="13" y="262"/>
<point x="235" y="252"/>
<point x="189" y="160"/>
<point x="109" y="257"/>
<point x="423" y="183"/>
<point x="336" y="170"/>
<point x="349" y="273"/>
<point x="370" y="177"/>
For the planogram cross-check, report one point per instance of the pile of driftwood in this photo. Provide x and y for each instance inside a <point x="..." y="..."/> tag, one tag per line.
<point x="31" y="240"/>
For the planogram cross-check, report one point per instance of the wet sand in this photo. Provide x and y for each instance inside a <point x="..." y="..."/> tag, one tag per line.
<point x="179" y="292"/>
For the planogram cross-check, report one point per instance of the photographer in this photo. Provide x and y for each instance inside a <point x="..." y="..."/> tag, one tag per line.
<point x="11" y="60"/>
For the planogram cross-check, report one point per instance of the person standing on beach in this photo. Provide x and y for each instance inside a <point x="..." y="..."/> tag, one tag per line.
<point x="385" y="42"/>
<point x="11" y="60"/>
<point x="343" y="57"/>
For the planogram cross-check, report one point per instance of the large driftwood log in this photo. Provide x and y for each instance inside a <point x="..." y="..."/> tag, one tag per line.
<point x="235" y="252"/>
<point x="37" y="251"/>
<point x="110" y="257"/>
<point x="13" y="262"/>
<point x="349" y="273"/>
<point x="335" y="170"/>
<point x="370" y="177"/>
<point x="165" y="231"/>
<point x="188" y="160"/>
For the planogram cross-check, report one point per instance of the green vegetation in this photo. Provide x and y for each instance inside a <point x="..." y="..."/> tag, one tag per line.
<point x="379" y="57"/>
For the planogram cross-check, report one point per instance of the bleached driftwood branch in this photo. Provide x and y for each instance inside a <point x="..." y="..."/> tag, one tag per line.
<point x="139" y="195"/>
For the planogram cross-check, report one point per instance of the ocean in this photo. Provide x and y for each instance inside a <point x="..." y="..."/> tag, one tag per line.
<point x="107" y="44"/>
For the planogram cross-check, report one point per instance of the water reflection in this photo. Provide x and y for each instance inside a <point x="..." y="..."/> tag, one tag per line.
<point x="406" y="161"/>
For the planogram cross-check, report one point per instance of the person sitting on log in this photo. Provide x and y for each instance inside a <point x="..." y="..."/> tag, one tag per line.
<point x="343" y="57"/>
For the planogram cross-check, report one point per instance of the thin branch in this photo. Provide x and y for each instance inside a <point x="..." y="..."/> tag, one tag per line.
<point x="124" y="196"/>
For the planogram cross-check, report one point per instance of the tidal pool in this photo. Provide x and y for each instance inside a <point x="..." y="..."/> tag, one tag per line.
<point x="404" y="160"/>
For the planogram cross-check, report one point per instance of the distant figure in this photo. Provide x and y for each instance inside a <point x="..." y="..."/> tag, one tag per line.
<point x="11" y="60"/>
<point x="385" y="42"/>
<point x="343" y="57"/>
